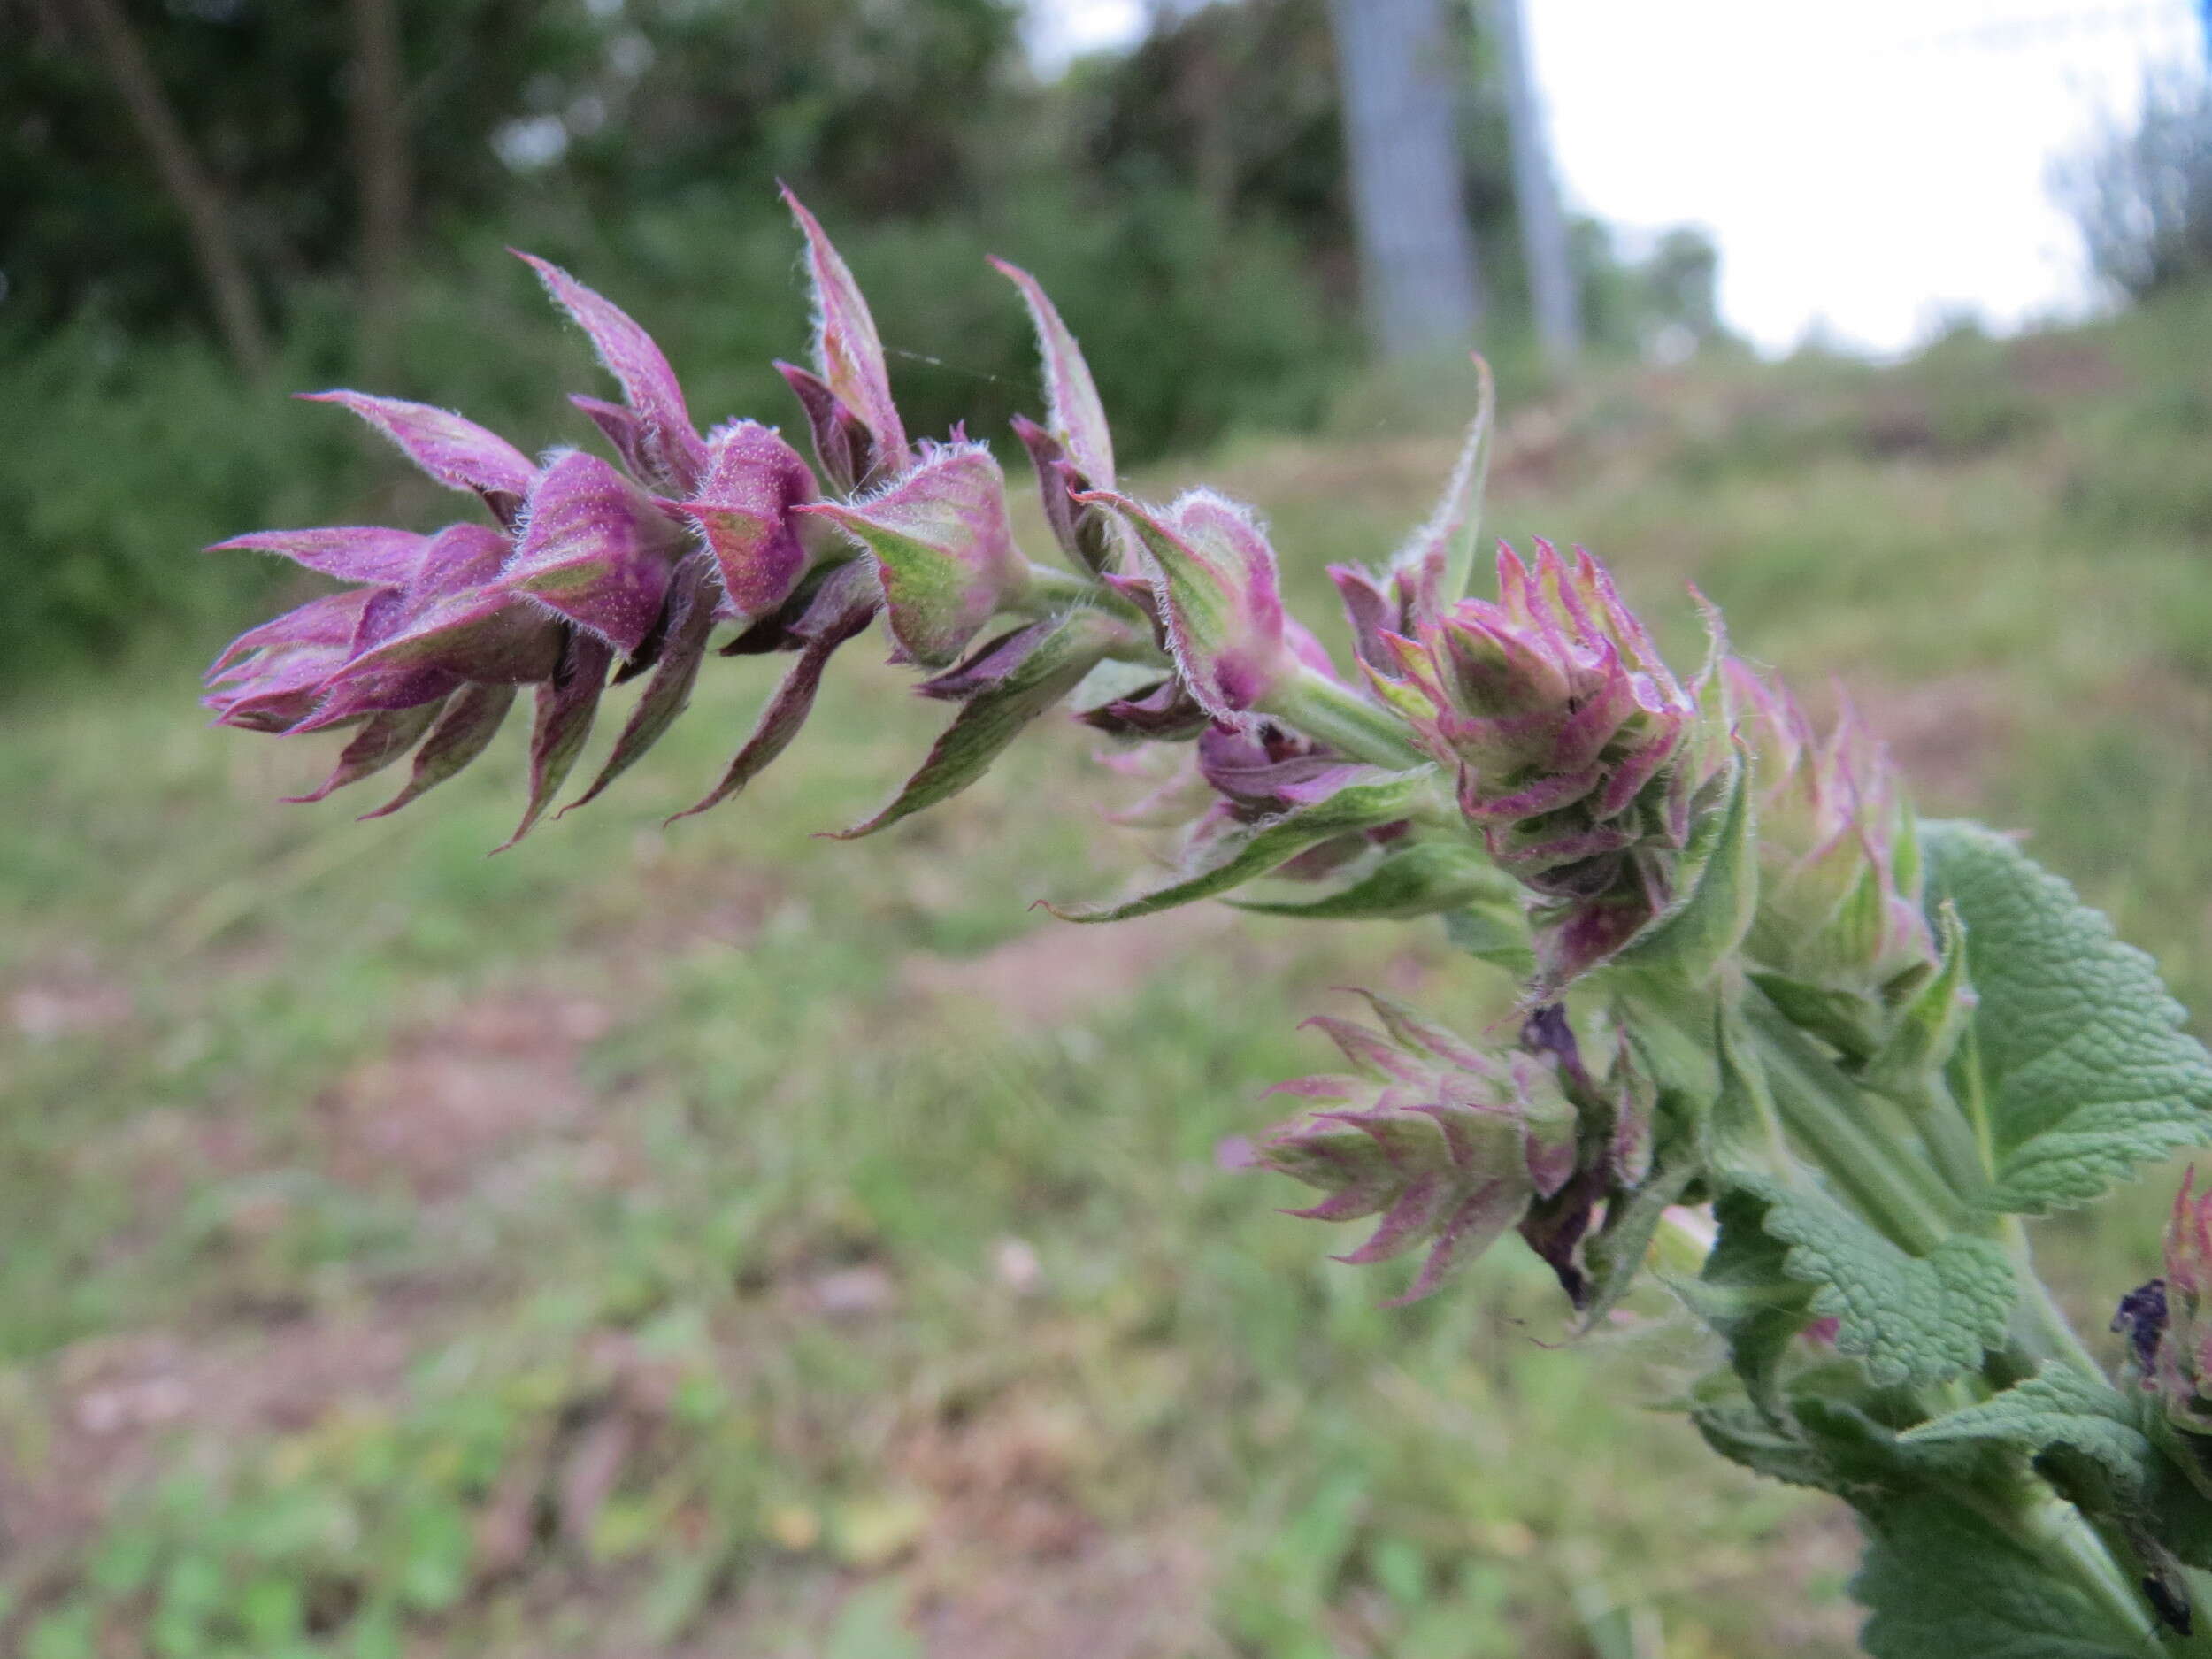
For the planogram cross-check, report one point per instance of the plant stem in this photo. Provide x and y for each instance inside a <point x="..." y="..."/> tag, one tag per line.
<point x="2045" y="1331"/>
<point x="1899" y="1196"/>
<point x="2058" y="1532"/>
<point x="1052" y="588"/>
<point x="1346" y="722"/>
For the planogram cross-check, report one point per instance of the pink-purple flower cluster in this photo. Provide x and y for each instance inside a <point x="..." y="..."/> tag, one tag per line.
<point x="1566" y="731"/>
<point x="587" y="568"/>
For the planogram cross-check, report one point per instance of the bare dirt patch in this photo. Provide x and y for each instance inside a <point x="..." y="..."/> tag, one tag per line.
<point x="1951" y="736"/>
<point x="1058" y="973"/>
<point x="1014" y="1565"/>
<point x="447" y="1097"/>
<point x="109" y="1410"/>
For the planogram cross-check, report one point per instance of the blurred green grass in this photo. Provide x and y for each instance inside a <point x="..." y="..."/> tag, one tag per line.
<point x="716" y="1241"/>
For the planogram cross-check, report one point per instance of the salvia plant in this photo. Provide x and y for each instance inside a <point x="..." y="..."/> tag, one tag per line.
<point x="1836" y="1054"/>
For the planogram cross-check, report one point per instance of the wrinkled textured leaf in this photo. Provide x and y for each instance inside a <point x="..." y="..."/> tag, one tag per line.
<point x="2060" y="1406"/>
<point x="1254" y="849"/>
<point x="1049" y="660"/>
<point x="2083" y="1066"/>
<point x="1911" y="1321"/>
<point x="1941" y="1582"/>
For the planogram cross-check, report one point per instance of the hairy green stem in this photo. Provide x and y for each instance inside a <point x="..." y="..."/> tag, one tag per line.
<point x="1821" y="1109"/>
<point x="1329" y="713"/>
<point x="1051" y="588"/>
<point x="2040" y="1326"/>
<point x="1956" y="1149"/>
<point x="2062" y="1537"/>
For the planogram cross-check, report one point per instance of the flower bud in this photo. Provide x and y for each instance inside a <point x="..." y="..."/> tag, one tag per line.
<point x="1213" y="583"/>
<point x="1447" y="1144"/>
<point x="2169" y="1321"/>
<point x="940" y="535"/>
<point x="743" y="508"/>
<point x="1840" y="899"/>
<point x="269" y="679"/>
<point x="594" y="548"/>
<point x="455" y="622"/>
<point x="1566" y="730"/>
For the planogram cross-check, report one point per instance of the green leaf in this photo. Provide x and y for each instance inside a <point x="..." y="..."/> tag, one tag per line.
<point x="2082" y="1066"/>
<point x="1415" y="879"/>
<point x="1746" y="1295"/>
<point x="1929" y="1027"/>
<point x="1053" y="662"/>
<point x="1254" y="849"/>
<point x="1911" y="1321"/>
<point x="1719" y="891"/>
<point x="2060" y="1406"/>
<point x="1942" y="1583"/>
<point x="1615" y="1254"/>
<point x="2107" y="1450"/>
<point x="1494" y="930"/>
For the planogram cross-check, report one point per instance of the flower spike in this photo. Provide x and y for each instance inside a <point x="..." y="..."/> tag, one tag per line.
<point x="1448" y="1145"/>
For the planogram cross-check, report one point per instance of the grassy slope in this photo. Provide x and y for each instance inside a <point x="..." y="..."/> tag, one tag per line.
<point x="720" y="1241"/>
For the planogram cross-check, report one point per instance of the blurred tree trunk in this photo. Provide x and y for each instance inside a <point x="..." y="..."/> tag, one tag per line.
<point x="378" y="111"/>
<point x="1401" y="71"/>
<point x="1551" y="276"/>
<point x="222" y="267"/>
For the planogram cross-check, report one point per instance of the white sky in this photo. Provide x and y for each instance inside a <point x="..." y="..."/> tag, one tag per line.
<point x="1864" y="166"/>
